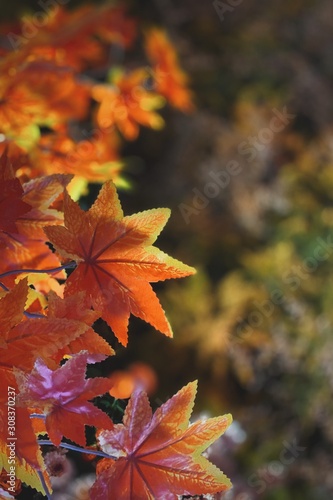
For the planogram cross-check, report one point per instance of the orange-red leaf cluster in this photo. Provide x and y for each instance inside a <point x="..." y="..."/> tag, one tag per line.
<point x="55" y="77"/>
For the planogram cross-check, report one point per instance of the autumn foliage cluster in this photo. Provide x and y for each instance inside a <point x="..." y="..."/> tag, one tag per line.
<point x="65" y="107"/>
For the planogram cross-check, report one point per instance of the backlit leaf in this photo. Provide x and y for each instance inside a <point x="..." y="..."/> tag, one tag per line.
<point x="159" y="456"/>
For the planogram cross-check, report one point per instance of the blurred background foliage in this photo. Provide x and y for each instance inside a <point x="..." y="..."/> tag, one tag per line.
<point x="255" y="324"/>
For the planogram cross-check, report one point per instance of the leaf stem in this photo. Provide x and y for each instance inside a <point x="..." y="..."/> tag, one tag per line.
<point x="42" y="480"/>
<point x="26" y="313"/>
<point x="70" y="265"/>
<point x="72" y="447"/>
<point x="33" y="315"/>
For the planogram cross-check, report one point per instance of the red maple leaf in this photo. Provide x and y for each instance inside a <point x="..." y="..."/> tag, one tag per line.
<point x="40" y="193"/>
<point x="25" y="210"/>
<point x="75" y="308"/>
<point x="11" y="204"/>
<point x="116" y="260"/>
<point x="159" y="456"/>
<point x="63" y="396"/>
<point x="23" y="341"/>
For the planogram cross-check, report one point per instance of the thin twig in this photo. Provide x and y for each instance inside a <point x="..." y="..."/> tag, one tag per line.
<point x="54" y="270"/>
<point x="42" y="480"/>
<point x="72" y="447"/>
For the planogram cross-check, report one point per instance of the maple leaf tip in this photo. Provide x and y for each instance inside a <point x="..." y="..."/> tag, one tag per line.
<point x="21" y="288"/>
<point x="194" y="383"/>
<point x="192" y="270"/>
<point x="228" y="418"/>
<point x="192" y="387"/>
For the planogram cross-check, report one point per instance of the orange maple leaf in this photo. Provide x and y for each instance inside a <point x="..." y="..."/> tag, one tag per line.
<point x="127" y="104"/>
<point x="74" y="308"/>
<point x="40" y="92"/>
<point x="26" y="448"/>
<point x="60" y="95"/>
<point x="28" y="457"/>
<point x="94" y="159"/>
<point x="40" y="193"/>
<point x="116" y="260"/>
<point x="19" y="107"/>
<point x="23" y="341"/>
<point x="170" y="79"/>
<point x="69" y="37"/>
<point x="66" y="37"/>
<point x="159" y="456"/>
<point x="26" y="209"/>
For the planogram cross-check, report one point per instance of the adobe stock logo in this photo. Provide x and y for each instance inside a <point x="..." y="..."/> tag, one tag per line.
<point x="274" y="470"/>
<point x="223" y="8"/>
<point x="250" y="149"/>
<point x="30" y="25"/>
<point x="219" y="181"/>
<point x="293" y="278"/>
<point x="254" y="144"/>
